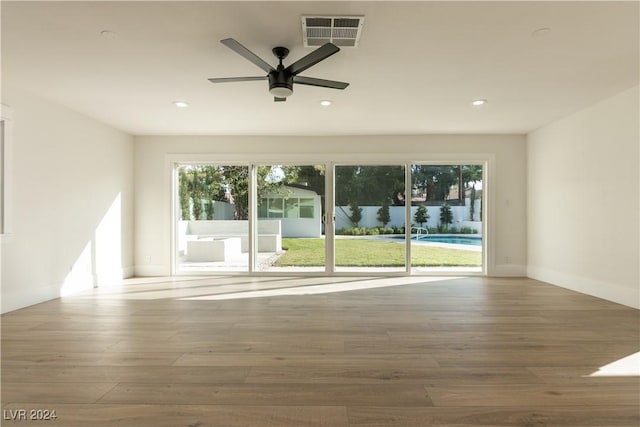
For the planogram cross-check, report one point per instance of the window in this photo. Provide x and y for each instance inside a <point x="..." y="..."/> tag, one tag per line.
<point x="292" y="207"/>
<point x="306" y="208"/>
<point x="275" y="209"/>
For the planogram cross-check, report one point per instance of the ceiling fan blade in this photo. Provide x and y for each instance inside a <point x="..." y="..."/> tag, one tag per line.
<point x="236" y="79"/>
<point x="323" y="52"/>
<point x="247" y="54"/>
<point x="277" y="99"/>
<point x="312" y="81"/>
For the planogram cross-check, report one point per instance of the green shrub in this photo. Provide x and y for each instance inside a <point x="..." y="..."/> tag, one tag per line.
<point x="356" y="214"/>
<point x="446" y="216"/>
<point x="422" y="215"/>
<point x="467" y="230"/>
<point x="383" y="213"/>
<point x="398" y="230"/>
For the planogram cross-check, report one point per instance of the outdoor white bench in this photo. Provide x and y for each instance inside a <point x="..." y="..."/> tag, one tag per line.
<point x="212" y="249"/>
<point x="269" y="233"/>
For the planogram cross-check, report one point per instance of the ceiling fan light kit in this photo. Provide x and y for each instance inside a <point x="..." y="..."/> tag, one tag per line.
<point x="281" y="78"/>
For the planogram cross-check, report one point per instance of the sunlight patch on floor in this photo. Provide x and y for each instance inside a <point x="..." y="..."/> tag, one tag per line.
<point x="628" y="366"/>
<point x="323" y="288"/>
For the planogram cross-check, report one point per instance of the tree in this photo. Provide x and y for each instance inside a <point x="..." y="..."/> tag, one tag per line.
<point x="446" y="217"/>
<point x="208" y="209"/>
<point x="369" y="185"/>
<point x="309" y="176"/>
<point x="384" y="215"/>
<point x="422" y="215"/>
<point x="435" y="180"/>
<point x="472" y="203"/>
<point x="204" y="184"/>
<point x="199" y="184"/>
<point x="184" y="194"/>
<point x="356" y="214"/>
<point x="197" y="208"/>
<point x="348" y="185"/>
<point x="237" y="180"/>
<point x="471" y="175"/>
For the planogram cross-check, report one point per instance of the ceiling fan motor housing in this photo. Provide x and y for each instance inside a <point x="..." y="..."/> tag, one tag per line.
<point x="280" y="83"/>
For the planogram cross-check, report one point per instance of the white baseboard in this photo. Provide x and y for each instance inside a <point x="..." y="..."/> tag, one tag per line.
<point x="128" y="272"/>
<point x="609" y="291"/>
<point x="151" y="270"/>
<point x="508" y="270"/>
<point x="17" y="299"/>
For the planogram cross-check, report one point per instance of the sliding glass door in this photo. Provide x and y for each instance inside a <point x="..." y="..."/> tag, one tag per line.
<point x="369" y="218"/>
<point x="290" y="230"/>
<point x="446" y="214"/>
<point x="272" y="218"/>
<point x="212" y="218"/>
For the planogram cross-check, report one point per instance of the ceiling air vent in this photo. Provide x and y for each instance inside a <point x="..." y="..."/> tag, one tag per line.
<point x="343" y="31"/>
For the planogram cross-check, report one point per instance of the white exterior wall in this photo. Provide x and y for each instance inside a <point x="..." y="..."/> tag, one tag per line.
<point x="303" y="227"/>
<point x="583" y="203"/>
<point x="397" y="213"/>
<point x="504" y="194"/>
<point x="72" y="203"/>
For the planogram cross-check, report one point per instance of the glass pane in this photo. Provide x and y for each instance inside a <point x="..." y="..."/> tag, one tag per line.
<point x="263" y="208"/>
<point x="306" y="208"/>
<point x="446" y="212"/>
<point x="292" y="239"/>
<point x="275" y="208"/>
<point x="370" y="218"/>
<point x="212" y="230"/>
<point x="291" y="207"/>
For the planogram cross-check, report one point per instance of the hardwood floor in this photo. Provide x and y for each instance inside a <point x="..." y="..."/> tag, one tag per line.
<point x="334" y="352"/>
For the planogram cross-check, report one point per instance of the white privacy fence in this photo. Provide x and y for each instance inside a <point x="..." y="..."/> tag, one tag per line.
<point x="461" y="216"/>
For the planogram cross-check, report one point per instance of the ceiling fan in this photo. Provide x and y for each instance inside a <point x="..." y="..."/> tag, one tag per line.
<point x="281" y="79"/>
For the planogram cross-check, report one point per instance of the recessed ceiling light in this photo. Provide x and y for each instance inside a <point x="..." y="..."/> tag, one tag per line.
<point x="108" y="34"/>
<point x="326" y="102"/>
<point x="478" y="102"/>
<point x="180" y="104"/>
<point x="541" y="32"/>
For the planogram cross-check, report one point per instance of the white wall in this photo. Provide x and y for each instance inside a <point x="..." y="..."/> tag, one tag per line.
<point x="460" y="216"/>
<point x="583" y="201"/>
<point x="302" y="227"/>
<point x="505" y="194"/>
<point x="72" y="203"/>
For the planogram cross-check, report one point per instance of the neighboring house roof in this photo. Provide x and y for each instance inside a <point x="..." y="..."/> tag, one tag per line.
<point x="297" y="189"/>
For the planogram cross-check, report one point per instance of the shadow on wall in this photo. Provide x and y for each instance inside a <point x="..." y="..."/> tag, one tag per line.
<point x="66" y="250"/>
<point x="100" y="261"/>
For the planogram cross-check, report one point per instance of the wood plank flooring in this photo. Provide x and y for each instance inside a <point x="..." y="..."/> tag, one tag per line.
<point x="333" y="352"/>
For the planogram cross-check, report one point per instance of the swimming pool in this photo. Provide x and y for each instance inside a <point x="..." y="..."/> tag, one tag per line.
<point x="451" y="239"/>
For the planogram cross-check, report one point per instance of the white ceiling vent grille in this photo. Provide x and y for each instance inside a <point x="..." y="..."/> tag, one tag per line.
<point x="343" y="31"/>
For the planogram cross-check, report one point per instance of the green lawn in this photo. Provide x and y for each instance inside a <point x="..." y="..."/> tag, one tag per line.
<point x="373" y="253"/>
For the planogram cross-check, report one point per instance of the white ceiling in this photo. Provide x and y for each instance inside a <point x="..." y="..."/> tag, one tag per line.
<point x="416" y="70"/>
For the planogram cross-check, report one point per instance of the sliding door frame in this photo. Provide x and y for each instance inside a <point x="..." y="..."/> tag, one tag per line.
<point x="407" y="180"/>
<point x="487" y="160"/>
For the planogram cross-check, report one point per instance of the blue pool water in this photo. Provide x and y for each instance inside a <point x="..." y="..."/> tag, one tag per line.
<point x="475" y="241"/>
<point x="456" y="240"/>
